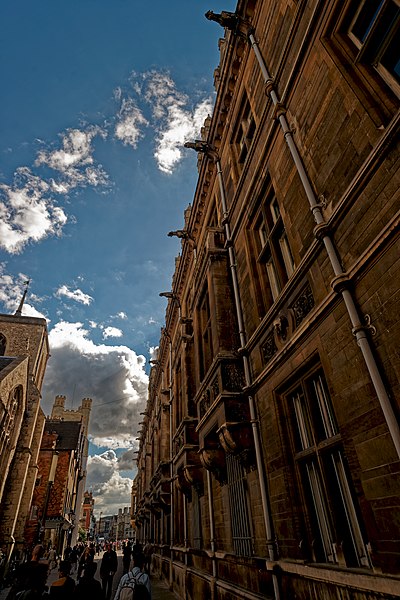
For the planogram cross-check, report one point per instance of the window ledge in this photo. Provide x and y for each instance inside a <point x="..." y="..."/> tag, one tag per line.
<point x="360" y="579"/>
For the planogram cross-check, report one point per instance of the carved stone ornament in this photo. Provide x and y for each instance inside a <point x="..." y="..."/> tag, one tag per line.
<point x="235" y="437"/>
<point x="181" y="483"/>
<point x="303" y="304"/>
<point x="214" y="461"/>
<point x="232" y="377"/>
<point x="269" y="347"/>
<point x="194" y="476"/>
<point x="205" y="403"/>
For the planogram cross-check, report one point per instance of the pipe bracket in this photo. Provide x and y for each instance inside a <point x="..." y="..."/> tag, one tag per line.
<point x="367" y="326"/>
<point x="340" y="282"/>
<point x="322" y="229"/>
<point x="279" y="110"/>
<point x="269" y="85"/>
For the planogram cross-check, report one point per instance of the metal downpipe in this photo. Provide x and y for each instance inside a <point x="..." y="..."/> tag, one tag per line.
<point x="212" y="525"/>
<point x="246" y="367"/>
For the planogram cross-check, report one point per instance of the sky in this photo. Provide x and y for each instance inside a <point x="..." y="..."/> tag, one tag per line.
<point x="97" y="99"/>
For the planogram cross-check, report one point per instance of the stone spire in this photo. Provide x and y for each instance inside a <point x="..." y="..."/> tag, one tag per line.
<point x="18" y="312"/>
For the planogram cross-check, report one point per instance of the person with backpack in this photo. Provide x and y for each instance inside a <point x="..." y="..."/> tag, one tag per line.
<point x="135" y="585"/>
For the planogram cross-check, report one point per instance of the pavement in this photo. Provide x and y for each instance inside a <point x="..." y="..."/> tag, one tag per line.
<point x="159" y="589"/>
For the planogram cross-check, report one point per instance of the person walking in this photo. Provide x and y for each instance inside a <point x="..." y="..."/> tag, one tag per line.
<point x="136" y="579"/>
<point x="108" y="568"/>
<point x="126" y="556"/>
<point x="64" y="587"/>
<point x="86" y="557"/>
<point x="52" y="558"/>
<point x="148" y="553"/>
<point x="88" y="588"/>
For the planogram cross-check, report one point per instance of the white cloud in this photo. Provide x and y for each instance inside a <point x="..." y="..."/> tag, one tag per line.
<point x="113" y="376"/>
<point x="110" y="490"/>
<point x="112" y="332"/>
<point x="130" y="120"/>
<point x="76" y="295"/>
<point x="119" y="315"/>
<point x="74" y="160"/>
<point x="27" y="211"/>
<point x="174" y="122"/>
<point x="93" y="324"/>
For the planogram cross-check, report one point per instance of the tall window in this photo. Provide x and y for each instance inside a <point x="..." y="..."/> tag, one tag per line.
<point x="243" y="134"/>
<point x="3" y="344"/>
<point x="196" y="520"/>
<point x="375" y="32"/>
<point x="178" y="395"/>
<point x="335" y="534"/>
<point x="275" y="264"/>
<point x="206" y="353"/>
<point x="241" y="531"/>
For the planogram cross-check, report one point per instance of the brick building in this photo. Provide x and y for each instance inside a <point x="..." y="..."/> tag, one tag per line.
<point x="54" y="502"/>
<point x="81" y="414"/>
<point x="87" y="520"/>
<point x="24" y="353"/>
<point x="268" y="460"/>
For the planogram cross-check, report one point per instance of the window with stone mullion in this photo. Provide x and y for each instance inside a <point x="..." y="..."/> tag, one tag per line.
<point x="336" y="531"/>
<point x="374" y="30"/>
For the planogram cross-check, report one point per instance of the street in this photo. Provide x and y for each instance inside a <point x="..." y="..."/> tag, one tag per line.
<point x="159" y="590"/>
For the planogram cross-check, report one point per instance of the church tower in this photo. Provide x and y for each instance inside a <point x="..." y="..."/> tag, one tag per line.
<point x="24" y="351"/>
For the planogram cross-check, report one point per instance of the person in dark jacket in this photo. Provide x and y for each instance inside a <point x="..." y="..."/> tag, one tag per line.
<point x="108" y="568"/>
<point x="126" y="556"/>
<point x="88" y="588"/>
<point x="64" y="587"/>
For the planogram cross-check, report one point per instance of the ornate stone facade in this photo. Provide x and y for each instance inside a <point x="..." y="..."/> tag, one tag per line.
<point x="268" y="462"/>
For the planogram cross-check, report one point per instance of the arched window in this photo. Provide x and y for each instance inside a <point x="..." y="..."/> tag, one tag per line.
<point x="3" y="344"/>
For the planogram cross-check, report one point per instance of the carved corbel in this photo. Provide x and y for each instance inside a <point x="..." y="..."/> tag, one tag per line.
<point x="214" y="461"/>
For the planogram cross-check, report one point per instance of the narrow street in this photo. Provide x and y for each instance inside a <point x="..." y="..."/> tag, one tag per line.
<point x="159" y="589"/>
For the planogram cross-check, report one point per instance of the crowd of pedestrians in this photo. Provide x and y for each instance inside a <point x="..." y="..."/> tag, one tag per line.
<point x="76" y="573"/>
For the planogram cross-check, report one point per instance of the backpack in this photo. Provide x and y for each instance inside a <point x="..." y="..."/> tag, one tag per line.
<point x="134" y="590"/>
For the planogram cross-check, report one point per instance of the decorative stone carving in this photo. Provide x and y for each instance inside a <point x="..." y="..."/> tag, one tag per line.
<point x="237" y="438"/>
<point x="194" y="476"/>
<point x="232" y="377"/>
<point x="269" y="347"/>
<point x="303" y="304"/>
<point x="214" y="461"/>
<point x="205" y="403"/>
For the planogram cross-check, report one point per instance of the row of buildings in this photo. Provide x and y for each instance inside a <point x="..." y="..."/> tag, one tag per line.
<point x="115" y="527"/>
<point x="268" y="463"/>
<point x="42" y="460"/>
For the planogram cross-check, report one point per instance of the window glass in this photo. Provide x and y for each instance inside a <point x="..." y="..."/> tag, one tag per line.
<point x="335" y="534"/>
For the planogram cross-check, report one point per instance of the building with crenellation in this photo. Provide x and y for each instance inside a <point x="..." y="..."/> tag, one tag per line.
<point x="57" y="499"/>
<point x="268" y="462"/>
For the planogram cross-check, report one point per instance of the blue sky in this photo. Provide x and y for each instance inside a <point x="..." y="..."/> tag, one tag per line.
<point x="97" y="99"/>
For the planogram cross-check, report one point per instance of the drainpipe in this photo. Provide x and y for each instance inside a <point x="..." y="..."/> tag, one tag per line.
<point x="171" y="473"/>
<point x="212" y="524"/>
<point x="185" y="528"/>
<point x="211" y="153"/>
<point x="340" y="283"/>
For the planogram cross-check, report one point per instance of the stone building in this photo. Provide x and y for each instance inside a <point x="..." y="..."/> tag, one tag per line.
<point x="24" y="352"/>
<point x="56" y="503"/>
<point x="81" y="414"/>
<point x="268" y="462"/>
